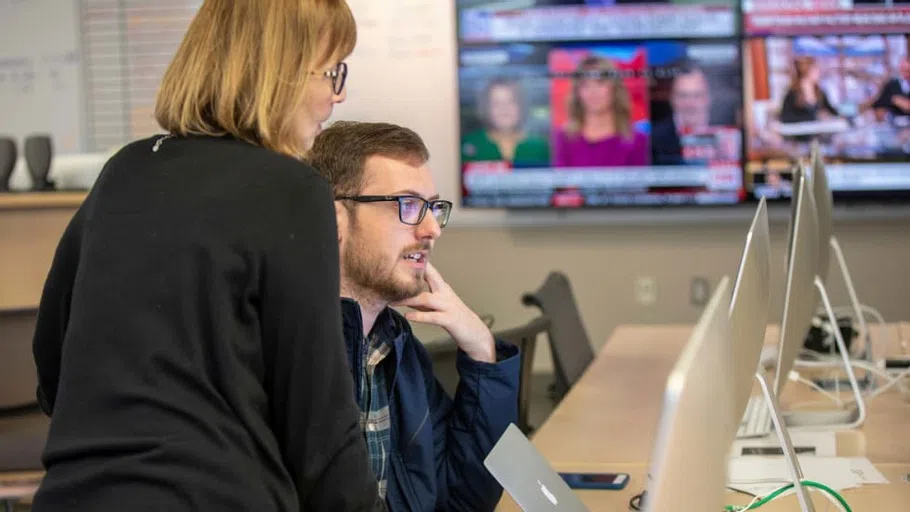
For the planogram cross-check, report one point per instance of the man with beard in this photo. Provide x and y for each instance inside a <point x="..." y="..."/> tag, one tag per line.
<point x="426" y="449"/>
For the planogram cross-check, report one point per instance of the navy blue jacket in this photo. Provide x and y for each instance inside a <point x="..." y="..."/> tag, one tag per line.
<point x="438" y="444"/>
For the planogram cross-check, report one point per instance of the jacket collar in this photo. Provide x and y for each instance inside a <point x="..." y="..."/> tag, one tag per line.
<point x="352" y="317"/>
<point x="389" y="324"/>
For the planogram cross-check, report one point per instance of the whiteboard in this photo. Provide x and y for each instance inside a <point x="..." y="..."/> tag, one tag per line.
<point x="41" y="75"/>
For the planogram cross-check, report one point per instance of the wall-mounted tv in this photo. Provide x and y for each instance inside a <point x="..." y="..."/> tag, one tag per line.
<point x="835" y="71"/>
<point x="574" y="103"/>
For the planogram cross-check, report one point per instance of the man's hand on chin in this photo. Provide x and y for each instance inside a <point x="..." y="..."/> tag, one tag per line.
<point x="441" y="306"/>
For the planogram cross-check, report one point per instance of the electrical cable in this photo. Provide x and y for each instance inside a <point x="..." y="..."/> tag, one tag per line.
<point x="891" y="380"/>
<point x="828" y="492"/>
<point x="635" y="502"/>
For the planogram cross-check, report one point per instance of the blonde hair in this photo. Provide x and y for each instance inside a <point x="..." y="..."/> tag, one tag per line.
<point x="243" y="65"/>
<point x="622" y="105"/>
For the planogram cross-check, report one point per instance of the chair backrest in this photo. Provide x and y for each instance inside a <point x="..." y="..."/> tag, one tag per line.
<point x="569" y="343"/>
<point x="18" y="376"/>
<point x="525" y="338"/>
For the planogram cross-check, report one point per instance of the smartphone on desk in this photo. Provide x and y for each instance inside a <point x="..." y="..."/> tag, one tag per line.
<point x="608" y="481"/>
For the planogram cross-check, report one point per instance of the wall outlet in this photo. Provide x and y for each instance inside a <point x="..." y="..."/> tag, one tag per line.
<point x="699" y="291"/>
<point x="646" y="290"/>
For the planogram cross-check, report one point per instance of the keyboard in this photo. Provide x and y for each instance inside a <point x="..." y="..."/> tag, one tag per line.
<point x="756" y="421"/>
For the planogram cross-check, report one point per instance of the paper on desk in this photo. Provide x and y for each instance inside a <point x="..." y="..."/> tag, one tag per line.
<point x="818" y="444"/>
<point x="866" y="472"/>
<point x="761" y="475"/>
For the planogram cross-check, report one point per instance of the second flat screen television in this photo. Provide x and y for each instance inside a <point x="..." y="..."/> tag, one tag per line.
<point x="573" y="103"/>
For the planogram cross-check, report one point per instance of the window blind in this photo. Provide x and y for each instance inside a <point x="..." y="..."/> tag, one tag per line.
<point x="126" y="47"/>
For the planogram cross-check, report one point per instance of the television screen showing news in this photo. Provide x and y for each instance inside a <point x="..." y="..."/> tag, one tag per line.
<point x="851" y="93"/>
<point x="562" y="105"/>
<point x="831" y="17"/>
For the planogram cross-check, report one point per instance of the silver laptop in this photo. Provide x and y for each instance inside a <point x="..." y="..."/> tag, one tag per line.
<point x="527" y="477"/>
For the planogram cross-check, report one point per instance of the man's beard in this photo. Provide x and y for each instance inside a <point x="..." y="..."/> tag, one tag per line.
<point x="369" y="272"/>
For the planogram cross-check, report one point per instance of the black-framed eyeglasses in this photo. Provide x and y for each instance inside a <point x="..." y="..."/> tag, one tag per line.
<point x="338" y="74"/>
<point x="411" y="209"/>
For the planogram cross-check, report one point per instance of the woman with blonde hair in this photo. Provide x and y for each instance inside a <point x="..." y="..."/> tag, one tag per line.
<point x="599" y="132"/>
<point x="188" y="344"/>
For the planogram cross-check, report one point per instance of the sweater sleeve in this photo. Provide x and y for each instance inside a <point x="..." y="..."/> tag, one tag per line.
<point x="53" y="312"/>
<point x="315" y="418"/>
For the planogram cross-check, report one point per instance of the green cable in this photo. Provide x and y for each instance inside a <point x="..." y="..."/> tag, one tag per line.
<point x="778" y="492"/>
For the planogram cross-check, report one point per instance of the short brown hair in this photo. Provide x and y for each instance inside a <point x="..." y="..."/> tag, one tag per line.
<point x="340" y="152"/>
<point x="243" y="65"/>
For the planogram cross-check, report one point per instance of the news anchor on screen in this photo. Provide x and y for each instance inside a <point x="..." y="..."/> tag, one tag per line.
<point x="690" y="100"/>
<point x="894" y="97"/>
<point x="599" y="132"/>
<point x="502" y="111"/>
<point x="805" y="100"/>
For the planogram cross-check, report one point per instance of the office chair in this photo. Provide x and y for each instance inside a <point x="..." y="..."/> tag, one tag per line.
<point x="525" y="338"/>
<point x="569" y="343"/>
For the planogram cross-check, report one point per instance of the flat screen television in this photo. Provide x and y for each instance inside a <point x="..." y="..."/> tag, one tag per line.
<point x="836" y="71"/>
<point x="574" y="103"/>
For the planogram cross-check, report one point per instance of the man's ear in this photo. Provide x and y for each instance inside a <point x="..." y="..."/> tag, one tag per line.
<point x="341" y="219"/>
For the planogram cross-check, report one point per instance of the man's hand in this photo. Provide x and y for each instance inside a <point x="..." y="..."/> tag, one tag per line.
<point x="901" y="102"/>
<point x="441" y="306"/>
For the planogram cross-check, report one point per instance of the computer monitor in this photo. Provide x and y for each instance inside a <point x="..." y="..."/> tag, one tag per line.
<point x="803" y="290"/>
<point x="749" y="308"/>
<point x="696" y="420"/>
<point x="800" y="297"/>
<point x="579" y="103"/>
<point x="824" y="207"/>
<point x="828" y="244"/>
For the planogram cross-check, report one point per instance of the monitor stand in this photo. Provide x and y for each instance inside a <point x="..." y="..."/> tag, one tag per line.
<point x="786" y="445"/>
<point x="836" y="419"/>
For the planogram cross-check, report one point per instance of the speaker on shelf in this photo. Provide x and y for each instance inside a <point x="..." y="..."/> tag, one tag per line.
<point x="8" y="154"/>
<point x="38" y="153"/>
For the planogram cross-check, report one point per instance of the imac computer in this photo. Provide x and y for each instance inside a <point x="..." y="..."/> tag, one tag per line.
<point x="803" y="287"/>
<point x="697" y="417"/>
<point x="824" y="208"/>
<point x="749" y="306"/>
<point x="828" y="243"/>
<point x="749" y="319"/>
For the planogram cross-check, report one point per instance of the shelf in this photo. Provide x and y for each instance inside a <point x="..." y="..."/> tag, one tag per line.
<point x="40" y="200"/>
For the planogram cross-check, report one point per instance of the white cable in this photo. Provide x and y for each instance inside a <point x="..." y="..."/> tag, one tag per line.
<point x="796" y="377"/>
<point x="895" y="381"/>
<point x="890" y="380"/>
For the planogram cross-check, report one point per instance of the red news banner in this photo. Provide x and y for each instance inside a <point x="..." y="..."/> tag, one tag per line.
<point x="834" y="21"/>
